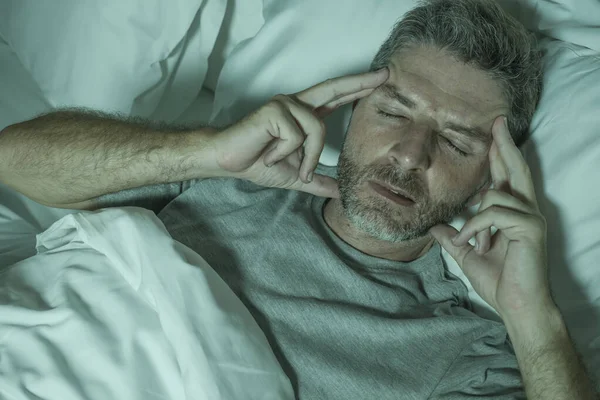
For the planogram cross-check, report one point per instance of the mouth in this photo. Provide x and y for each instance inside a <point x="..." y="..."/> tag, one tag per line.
<point x="397" y="195"/>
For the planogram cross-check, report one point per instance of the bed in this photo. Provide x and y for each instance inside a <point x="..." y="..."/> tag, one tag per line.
<point x="212" y="62"/>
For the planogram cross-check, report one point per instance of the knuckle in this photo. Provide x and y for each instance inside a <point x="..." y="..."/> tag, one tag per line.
<point x="493" y="209"/>
<point x="538" y="227"/>
<point x="279" y="97"/>
<point x="275" y="106"/>
<point x="331" y="84"/>
<point x="297" y="138"/>
<point x="493" y="196"/>
<point x="293" y="98"/>
<point x="489" y="196"/>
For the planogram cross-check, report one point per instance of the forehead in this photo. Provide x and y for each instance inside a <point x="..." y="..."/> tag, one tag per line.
<point x="437" y="81"/>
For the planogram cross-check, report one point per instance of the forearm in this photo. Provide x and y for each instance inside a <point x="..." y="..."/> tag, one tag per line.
<point x="68" y="157"/>
<point x="549" y="364"/>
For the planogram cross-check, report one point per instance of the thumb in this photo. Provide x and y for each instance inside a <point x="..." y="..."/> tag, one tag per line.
<point x="444" y="234"/>
<point x="321" y="185"/>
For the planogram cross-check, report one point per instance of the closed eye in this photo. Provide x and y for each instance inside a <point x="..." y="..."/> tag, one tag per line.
<point x="388" y="115"/>
<point x="448" y="142"/>
<point x="454" y="148"/>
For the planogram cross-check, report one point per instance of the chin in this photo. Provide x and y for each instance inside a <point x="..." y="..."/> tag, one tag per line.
<point x="382" y="221"/>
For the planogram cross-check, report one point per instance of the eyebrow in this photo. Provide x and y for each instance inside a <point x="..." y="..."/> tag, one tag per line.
<point x="478" y="134"/>
<point x="391" y="91"/>
<point x="472" y="133"/>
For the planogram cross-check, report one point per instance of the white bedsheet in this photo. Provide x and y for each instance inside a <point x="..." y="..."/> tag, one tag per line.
<point x="112" y="308"/>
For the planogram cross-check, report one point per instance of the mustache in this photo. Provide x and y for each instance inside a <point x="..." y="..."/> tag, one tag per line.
<point x="411" y="183"/>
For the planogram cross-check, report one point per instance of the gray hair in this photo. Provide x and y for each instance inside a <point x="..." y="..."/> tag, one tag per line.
<point x="478" y="33"/>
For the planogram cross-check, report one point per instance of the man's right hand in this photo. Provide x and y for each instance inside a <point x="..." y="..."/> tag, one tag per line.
<point x="288" y="133"/>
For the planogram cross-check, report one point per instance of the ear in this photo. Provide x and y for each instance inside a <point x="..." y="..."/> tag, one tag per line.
<point x="479" y="195"/>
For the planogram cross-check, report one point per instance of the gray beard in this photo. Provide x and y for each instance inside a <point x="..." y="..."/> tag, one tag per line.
<point x="382" y="220"/>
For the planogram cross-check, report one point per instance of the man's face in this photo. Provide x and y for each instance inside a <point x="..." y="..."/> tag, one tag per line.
<point x="411" y="134"/>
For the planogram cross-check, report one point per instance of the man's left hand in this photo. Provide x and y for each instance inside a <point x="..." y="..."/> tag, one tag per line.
<point x="508" y="269"/>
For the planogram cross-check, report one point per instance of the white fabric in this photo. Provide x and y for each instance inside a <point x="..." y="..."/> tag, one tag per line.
<point x="20" y="96"/>
<point x="184" y="72"/>
<point x="112" y="308"/>
<point x="572" y="21"/>
<point x="20" y="218"/>
<point x="303" y="43"/>
<point x="243" y="19"/>
<point x="104" y="54"/>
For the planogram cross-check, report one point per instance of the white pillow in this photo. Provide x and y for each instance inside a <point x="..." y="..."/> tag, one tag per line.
<point x="20" y="97"/>
<point x="103" y="54"/>
<point x="303" y="43"/>
<point x="185" y="71"/>
<point x="573" y="21"/>
<point x="243" y="19"/>
<point x="564" y="157"/>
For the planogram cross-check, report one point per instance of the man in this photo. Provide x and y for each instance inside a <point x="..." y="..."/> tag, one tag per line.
<point x="346" y="277"/>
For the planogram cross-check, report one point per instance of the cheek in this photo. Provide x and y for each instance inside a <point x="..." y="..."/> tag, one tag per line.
<point x="365" y="137"/>
<point x="455" y="183"/>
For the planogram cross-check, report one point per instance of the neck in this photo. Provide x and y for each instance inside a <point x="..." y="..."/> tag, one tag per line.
<point x="345" y="230"/>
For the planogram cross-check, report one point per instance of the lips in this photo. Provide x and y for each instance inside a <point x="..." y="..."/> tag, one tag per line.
<point x="396" y="196"/>
<point x="396" y="190"/>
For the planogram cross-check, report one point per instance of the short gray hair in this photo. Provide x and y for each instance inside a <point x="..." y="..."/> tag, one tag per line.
<point x="479" y="33"/>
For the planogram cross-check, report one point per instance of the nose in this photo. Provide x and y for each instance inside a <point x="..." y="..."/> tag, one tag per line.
<point x="413" y="152"/>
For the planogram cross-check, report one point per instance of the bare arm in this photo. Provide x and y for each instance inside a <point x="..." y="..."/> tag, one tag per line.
<point x="550" y="367"/>
<point x="66" y="158"/>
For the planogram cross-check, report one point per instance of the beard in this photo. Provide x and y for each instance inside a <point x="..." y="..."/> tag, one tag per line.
<point x="382" y="219"/>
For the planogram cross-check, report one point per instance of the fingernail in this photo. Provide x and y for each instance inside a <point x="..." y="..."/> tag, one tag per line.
<point x="310" y="177"/>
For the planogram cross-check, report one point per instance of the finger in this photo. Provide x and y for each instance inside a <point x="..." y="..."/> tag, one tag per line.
<point x="499" y="198"/>
<point x="473" y="271"/>
<point x="314" y="133"/>
<point x="321" y="185"/>
<point x="289" y="136"/>
<point x="498" y="170"/>
<point x="483" y="238"/>
<point x="333" y="89"/>
<point x="515" y="225"/>
<point x="494" y="197"/>
<point x="268" y="151"/>
<point x="482" y="241"/>
<point x="519" y="174"/>
<point x="444" y="234"/>
<point x="300" y="154"/>
<point x="328" y="108"/>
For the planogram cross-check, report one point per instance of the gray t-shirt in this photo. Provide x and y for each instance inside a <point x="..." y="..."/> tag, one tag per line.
<point x="343" y="324"/>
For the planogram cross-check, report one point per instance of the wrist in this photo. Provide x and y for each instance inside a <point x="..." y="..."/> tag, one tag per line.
<point x="536" y="328"/>
<point x="200" y="150"/>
